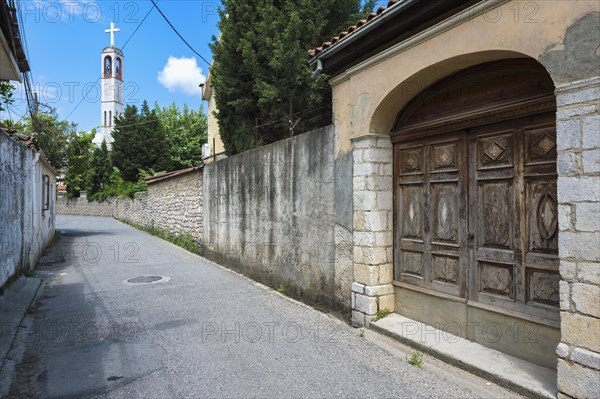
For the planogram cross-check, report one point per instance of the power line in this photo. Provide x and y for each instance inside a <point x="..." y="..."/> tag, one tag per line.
<point x="138" y="27"/>
<point x="122" y="48"/>
<point x="137" y="123"/>
<point x="178" y="34"/>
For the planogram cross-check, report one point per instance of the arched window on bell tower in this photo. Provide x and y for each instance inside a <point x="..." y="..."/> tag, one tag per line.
<point x="104" y="118"/>
<point x="107" y="67"/>
<point x="109" y="118"/>
<point x="119" y="68"/>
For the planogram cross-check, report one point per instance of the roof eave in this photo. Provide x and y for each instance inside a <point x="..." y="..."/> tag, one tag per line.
<point x="392" y="11"/>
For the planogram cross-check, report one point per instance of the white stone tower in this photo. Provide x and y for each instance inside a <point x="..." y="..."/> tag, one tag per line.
<point x="112" y="88"/>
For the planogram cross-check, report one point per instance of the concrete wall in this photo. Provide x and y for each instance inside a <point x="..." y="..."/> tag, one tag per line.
<point x="172" y="204"/>
<point x="270" y="214"/>
<point x="25" y="228"/>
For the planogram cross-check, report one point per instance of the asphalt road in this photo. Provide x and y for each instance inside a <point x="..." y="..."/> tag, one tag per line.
<point x="200" y="331"/>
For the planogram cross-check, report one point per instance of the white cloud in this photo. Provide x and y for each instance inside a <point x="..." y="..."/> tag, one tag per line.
<point x="183" y="75"/>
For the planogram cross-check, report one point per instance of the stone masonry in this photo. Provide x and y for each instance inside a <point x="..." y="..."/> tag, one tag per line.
<point x="172" y="204"/>
<point x="372" y="289"/>
<point x="176" y="204"/>
<point x="578" y="133"/>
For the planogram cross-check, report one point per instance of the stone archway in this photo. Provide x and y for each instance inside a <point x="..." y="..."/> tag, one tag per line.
<point x="388" y="81"/>
<point x="475" y="208"/>
<point x="377" y="256"/>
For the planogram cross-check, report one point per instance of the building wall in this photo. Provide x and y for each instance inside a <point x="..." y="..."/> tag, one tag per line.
<point x="368" y="97"/>
<point x="25" y="229"/>
<point x="214" y="139"/>
<point x="561" y="36"/>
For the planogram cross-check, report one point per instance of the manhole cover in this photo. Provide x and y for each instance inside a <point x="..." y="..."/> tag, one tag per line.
<point x="144" y="279"/>
<point x="147" y="280"/>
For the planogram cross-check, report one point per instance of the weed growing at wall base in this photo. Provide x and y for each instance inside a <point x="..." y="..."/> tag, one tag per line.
<point x="381" y="314"/>
<point x="416" y="359"/>
<point x="185" y="241"/>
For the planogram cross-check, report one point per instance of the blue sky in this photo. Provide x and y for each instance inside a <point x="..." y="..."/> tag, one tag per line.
<point x="65" y="39"/>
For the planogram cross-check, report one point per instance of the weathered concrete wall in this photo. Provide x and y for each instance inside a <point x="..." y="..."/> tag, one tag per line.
<point x="15" y="164"/>
<point x="25" y="228"/>
<point x="270" y="214"/>
<point x="172" y="204"/>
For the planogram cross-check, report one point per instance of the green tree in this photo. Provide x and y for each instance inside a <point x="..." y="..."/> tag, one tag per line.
<point x="78" y="154"/>
<point x="6" y="93"/>
<point x="100" y="170"/>
<point x="260" y="71"/>
<point x="52" y="135"/>
<point x="18" y="126"/>
<point x="185" y="132"/>
<point x="139" y="142"/>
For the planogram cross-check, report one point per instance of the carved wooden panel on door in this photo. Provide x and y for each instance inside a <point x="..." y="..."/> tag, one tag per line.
<point x="494" y="224"/>
<point x="430" y="221"/>
<point x="514" y="221"/>
<point x="476" y="215"/>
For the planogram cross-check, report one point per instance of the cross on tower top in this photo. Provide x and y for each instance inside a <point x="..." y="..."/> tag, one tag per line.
<point x="112" y="31"/>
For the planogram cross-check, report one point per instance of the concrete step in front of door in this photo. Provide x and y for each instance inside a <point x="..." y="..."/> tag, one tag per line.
<point x="513" y="373"/>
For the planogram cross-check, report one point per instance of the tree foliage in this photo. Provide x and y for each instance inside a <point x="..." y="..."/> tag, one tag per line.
<point x="139" y="142"/>
<point x="77" y="154"/>
<point x="260" y="73"/>
<point x="52" y="134"/>
<point x="185" y="132"/>
<point x="6" y="92"/>
<point x="100" y="170"/>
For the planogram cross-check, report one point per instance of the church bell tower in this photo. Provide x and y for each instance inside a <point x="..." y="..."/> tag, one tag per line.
<point x="112" y="88"/>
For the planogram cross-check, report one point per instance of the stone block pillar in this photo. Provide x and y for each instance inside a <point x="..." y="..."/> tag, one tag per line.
<point x="578" y="145"/>
<point x="372" y="288"/>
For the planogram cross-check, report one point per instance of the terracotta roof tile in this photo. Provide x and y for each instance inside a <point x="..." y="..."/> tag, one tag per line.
<point x="348" y="32"/>
<point x="169" y="175"/>
<point x="30" y="142"/>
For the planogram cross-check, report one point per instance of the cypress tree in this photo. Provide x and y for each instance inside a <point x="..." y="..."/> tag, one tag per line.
<point x="139" y="143"/>
<point x="100" y="170"/>
<point x="260" y="73"/>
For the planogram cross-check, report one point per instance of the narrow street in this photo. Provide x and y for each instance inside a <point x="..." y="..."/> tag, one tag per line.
<point x="200" y="331"/>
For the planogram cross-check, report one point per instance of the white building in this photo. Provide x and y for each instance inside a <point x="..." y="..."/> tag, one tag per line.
<point x="27" y="203"/>
<point x="112" y="88"/>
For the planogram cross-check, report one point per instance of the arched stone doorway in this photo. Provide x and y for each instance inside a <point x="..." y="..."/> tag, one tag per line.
<point x="475" y="208"/>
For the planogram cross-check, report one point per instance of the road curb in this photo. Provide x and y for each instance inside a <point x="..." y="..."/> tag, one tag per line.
<point x="13" y="306"/>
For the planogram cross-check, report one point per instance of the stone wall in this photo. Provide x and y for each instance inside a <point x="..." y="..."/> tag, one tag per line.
<point x="134" y="210"/>
<point x="175" y="204"/>
<point x="83" y="207"/>
<point x="269" y="213"/>
<point x="578" y="133"/>
<point x="372" y="289"/>
<point x="172" y="203"/>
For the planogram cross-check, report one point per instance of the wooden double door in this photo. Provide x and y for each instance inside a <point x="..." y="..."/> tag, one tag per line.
<point x="476" y="215"/>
